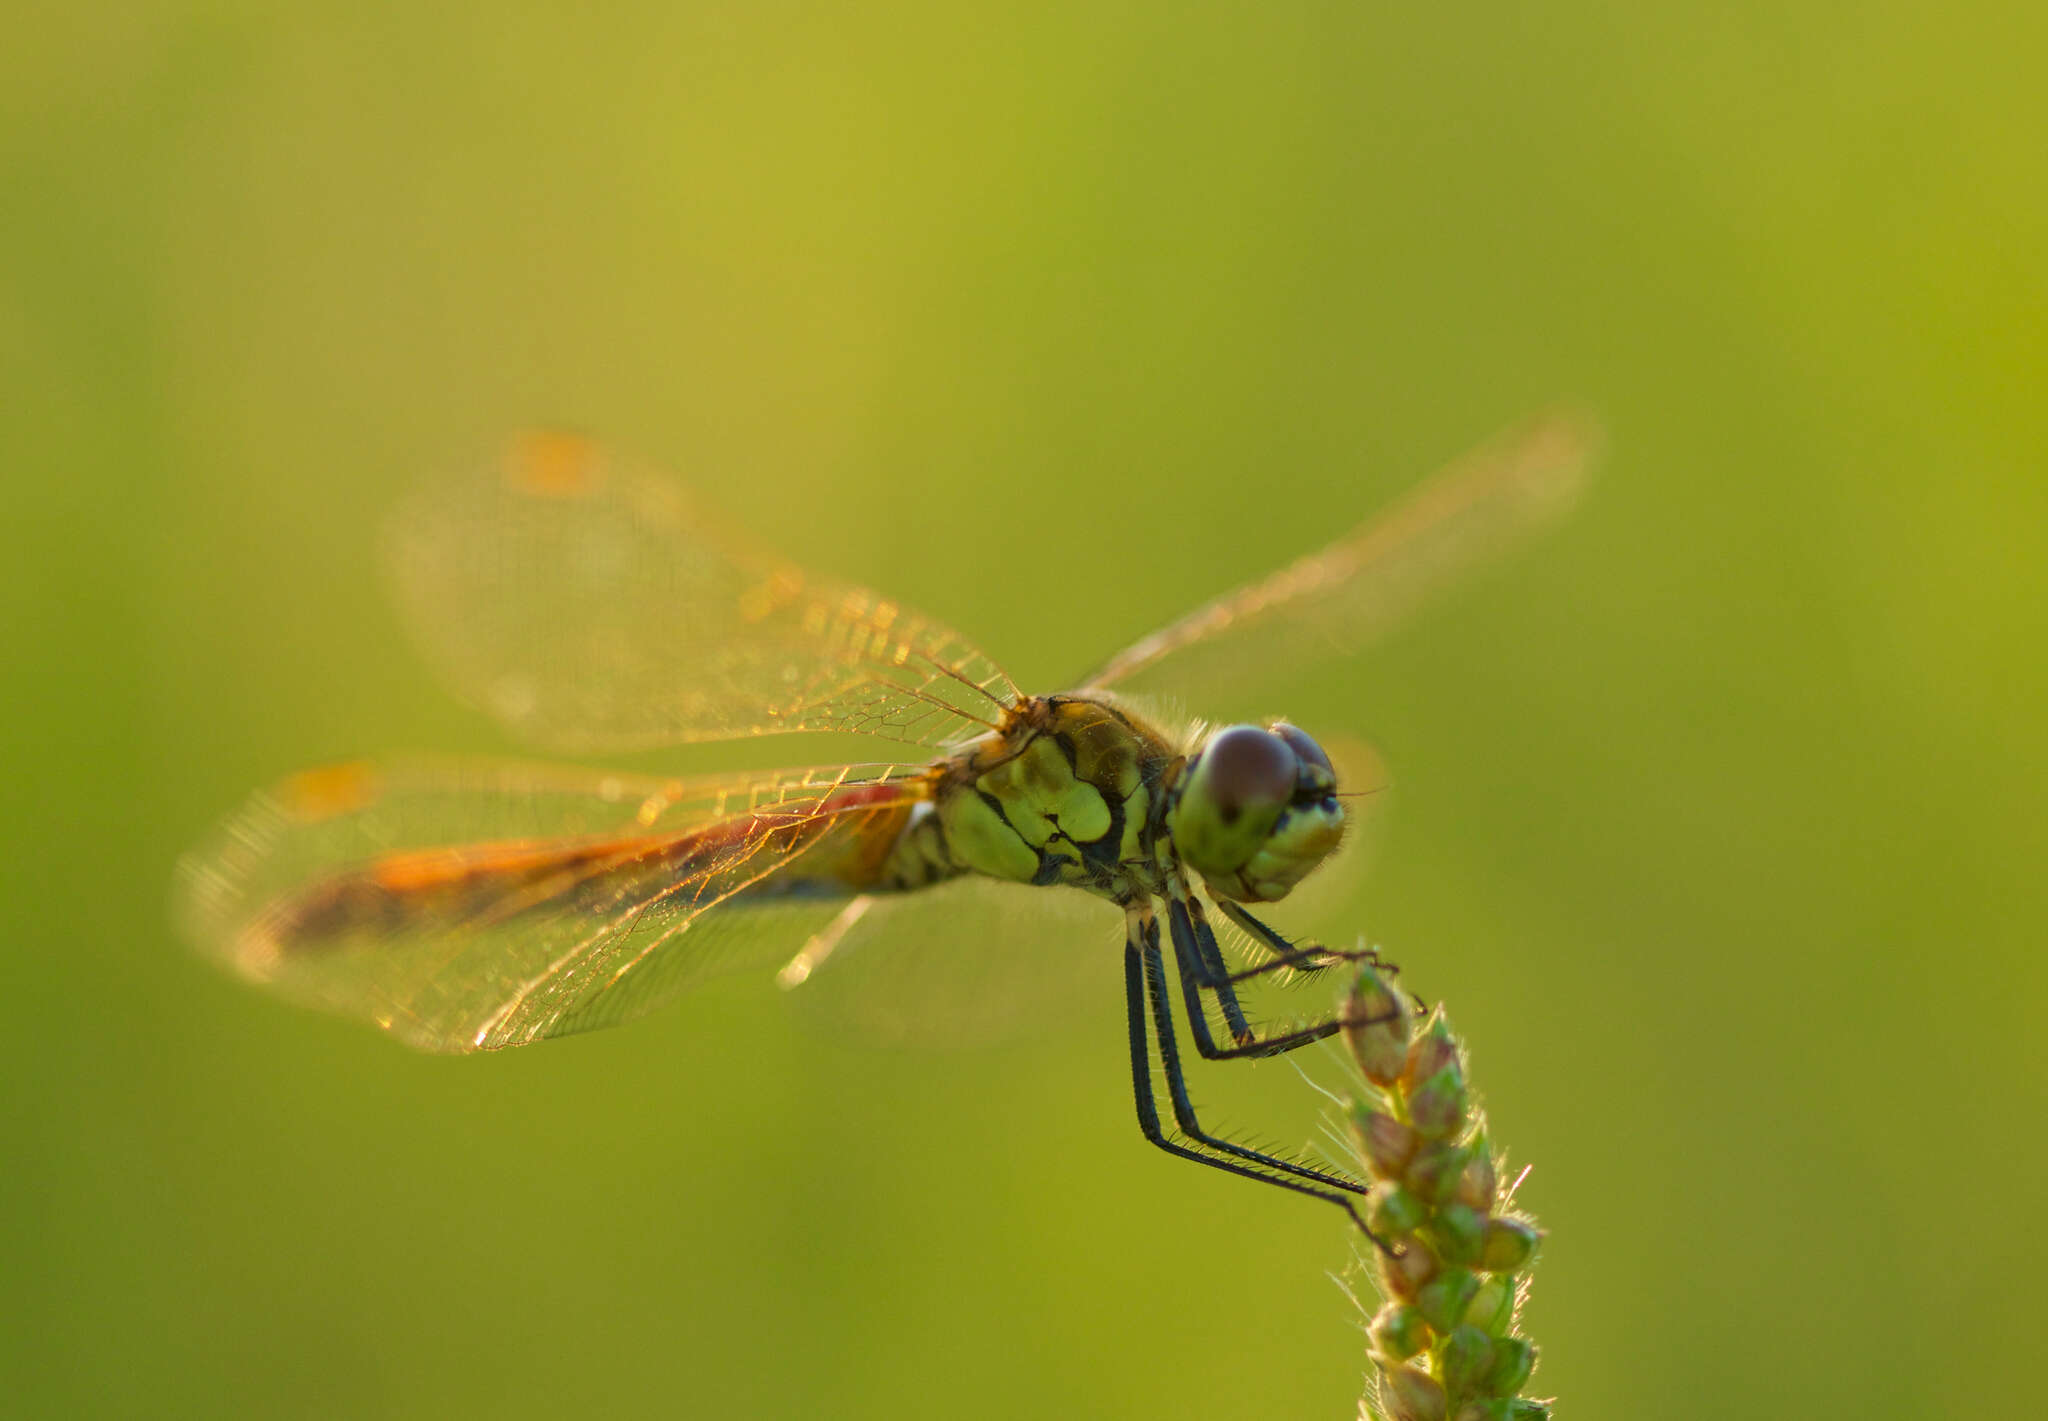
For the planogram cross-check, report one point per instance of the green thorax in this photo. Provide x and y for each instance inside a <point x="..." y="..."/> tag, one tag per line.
<point x="1066" y="793"/>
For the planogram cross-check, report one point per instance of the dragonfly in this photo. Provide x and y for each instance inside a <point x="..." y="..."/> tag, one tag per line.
<point x="593" y="606"/>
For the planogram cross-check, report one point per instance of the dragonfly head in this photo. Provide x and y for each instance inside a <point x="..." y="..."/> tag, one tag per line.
<point x="1256" y="810"/>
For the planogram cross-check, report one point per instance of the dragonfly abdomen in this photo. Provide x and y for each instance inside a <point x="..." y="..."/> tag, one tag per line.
<point x="830" y="848"/>
<point x="892" y="847"/>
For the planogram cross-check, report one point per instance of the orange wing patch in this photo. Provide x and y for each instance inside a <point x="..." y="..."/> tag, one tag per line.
<point x="328" y="792"/>
<point x="476" y="885"/>
<point x="554" y="464"/>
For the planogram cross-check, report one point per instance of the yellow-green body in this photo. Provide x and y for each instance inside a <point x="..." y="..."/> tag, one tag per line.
<point x="1068" y="793"/>
<point x="1077" y="790"/>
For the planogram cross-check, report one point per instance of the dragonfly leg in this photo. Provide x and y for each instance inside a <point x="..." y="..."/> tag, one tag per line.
<point x="1299" y="957"/>
<point x="816" y="952"/>
<point x="1145" y="987"/>
<point x="1202" y="969"/>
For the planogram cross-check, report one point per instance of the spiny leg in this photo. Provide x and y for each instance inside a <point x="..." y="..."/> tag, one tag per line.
<point x="1145" y="979"/>
<point x="1201" y="965"/>
<point x="1148" y="1110"/>
<point x="1195" y="948"/>
<point x="1300" y="957"/>
<point x="1201" y="971"/>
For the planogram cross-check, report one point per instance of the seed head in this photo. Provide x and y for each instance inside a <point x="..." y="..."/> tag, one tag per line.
<point x="1444" y="1345"/>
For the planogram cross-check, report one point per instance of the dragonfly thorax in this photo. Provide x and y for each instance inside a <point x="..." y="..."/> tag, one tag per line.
<point x="1256" y="811"/>
<point x="1065" y="793"/>
<point x="1077" y="790"/>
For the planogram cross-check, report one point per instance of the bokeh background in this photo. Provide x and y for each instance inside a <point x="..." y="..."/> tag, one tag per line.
<point x="1719" y="818"/>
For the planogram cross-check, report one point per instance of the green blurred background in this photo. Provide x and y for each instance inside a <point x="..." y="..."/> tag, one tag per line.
<point x="1719" y="822"/>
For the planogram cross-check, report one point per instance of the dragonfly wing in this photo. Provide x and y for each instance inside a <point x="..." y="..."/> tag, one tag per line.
<point x="1357" y="588"/>
<point x="970" y="962"/>
<point x="466" y="907"/>
<point x="590" y="605"/>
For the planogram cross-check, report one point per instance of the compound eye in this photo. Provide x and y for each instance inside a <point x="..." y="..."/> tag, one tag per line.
<point x="1317" y="774"/>
<point x="1246" y="768"/>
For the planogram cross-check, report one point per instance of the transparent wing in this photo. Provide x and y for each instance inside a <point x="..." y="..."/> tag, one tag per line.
<point x="971" y="962"/>
<point x="591" y="606"/>
<point x="467" y="907"/>
<point x="976" y="962"/>
<point x="1357" y="588"/>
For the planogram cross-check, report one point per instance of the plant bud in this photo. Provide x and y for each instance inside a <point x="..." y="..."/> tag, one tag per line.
<point x="1466" y="1361"/>
<point x="1383" y="1142"/>
<point x="1480" y="1183"/>
<point x="1376" y="1028"/>
<point x="1493" y="1306"/>
<point x="1412" y="1395"/>
<point x="1460" y="1231"/>
<point x="1437" y="1106"/>
<point x="1514" y="1358"/>
<point x="1433" y="1049"/>
<point x="1393" y="1211"/>
<point x="1444" y="1298"/>
<point x="1399" y="1332"/>
<point x="1510" y="1244"/>
<point x="1433" y="1173"/>
<point x="1407" y="1273"/>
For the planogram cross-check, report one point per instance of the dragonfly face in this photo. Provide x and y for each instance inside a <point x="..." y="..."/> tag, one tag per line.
<point x="1257" y="811"/>
<point x="594" y="607"/>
